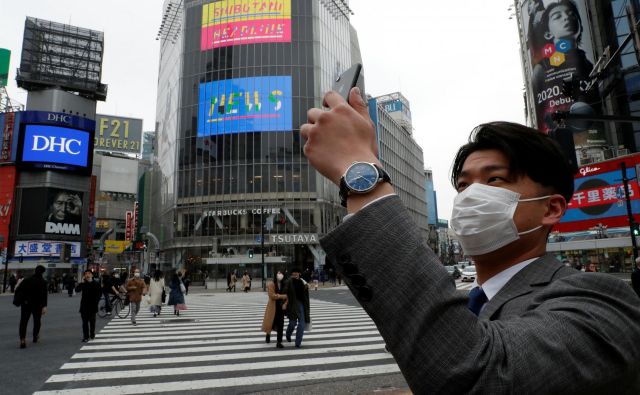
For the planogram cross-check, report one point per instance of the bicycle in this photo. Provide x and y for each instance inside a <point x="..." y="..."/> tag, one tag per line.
<point x="117" y="304"/>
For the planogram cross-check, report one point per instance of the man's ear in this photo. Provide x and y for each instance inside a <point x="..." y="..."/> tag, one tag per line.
<point x="555" y="210"/>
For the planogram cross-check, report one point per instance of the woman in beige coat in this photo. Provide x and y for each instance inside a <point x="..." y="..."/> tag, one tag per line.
<point x="156" y="288"/>
<point x="246" y="282"/>
<point x="273" y="313"/>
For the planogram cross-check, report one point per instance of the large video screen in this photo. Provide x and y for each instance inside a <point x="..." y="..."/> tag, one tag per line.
<point x="240" y="105"/>
<point x="51" y="211"/>
<point x="234" y="22"/>
<point x="55" y="146"/>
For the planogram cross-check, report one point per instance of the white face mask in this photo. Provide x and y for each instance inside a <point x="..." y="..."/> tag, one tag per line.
<point x="482" y="218"/>
<point x="279" y="276"/>
<point x="136" y="274"/>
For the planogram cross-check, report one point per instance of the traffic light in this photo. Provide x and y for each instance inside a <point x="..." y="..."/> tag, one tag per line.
<point x="636" y="229"/>
<point x="250" y="253"/>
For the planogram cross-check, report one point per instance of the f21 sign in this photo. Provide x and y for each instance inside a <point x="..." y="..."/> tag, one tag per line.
<point x="56" y="148"/>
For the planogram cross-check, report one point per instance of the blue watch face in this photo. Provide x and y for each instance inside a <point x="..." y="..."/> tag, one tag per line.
<point x="361" y="177"/>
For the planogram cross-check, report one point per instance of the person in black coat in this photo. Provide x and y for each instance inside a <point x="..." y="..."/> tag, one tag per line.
<point x="33" y="302"/>
<point x="91" y="293"/>
<point x="635" y="277"/>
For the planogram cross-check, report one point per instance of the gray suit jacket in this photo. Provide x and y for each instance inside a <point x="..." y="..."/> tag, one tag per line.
<point x="550" y="330"/>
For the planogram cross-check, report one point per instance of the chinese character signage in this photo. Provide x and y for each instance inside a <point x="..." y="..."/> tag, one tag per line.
<point x="128" y="229"/>
<point x="254" y="104"/>
<point x="234" y="22"/>
<point x="7" y="123"/>
<point x="599" y="196"/>
<point x="557" y="36"/>
<point x="33" y="248"/>
<point x="7" y="186"/>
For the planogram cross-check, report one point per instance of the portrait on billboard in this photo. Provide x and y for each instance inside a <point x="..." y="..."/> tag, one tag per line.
<point x="51" y="211"/>
<point x="559" y="48"/>
<point x="240" y="105"/>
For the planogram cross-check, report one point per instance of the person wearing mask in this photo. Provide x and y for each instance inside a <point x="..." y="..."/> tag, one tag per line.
<point x="297" y="305"/>
<point x="176" y="295"/>
<point x="274" y="313"/>
<point x="32" y="299"/>
<point x="246" y="282"/>
<point x="136" y="288"/>
<point x="91" y="293"/>
<point x="532" y="325"/>
<point x="156" y="288"/>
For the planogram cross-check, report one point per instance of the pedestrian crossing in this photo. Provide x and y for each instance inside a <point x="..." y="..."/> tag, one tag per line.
<point x="217" y="344"/>
<point x="467" y="285"/>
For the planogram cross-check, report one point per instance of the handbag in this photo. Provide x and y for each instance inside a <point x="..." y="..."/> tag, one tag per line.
<point x="182" y="288"/>
<point x="164" y="296"/>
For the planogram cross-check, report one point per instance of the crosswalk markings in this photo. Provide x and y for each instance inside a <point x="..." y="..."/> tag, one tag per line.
<point x="217" y="343"/>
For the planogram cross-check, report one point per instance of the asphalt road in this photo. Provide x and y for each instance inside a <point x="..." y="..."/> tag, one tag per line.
<point x="24" y="371"/>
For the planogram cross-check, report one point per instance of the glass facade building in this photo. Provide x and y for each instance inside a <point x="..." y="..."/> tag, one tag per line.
<point x="235" y="82"/>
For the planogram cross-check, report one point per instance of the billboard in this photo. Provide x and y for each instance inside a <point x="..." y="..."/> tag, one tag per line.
<point x="7" y="201"/>
<point x="119" y="175"/>
<point x="253" y="104"/>
<point x="51" y="211"/>
<point x="34" y="248"/>
<point x="115" y="246"/>
<point x="7" y="123"/>
<point x="5" y="57"/>
<point x="234" y="22"/>
<point x="118" y="134"/>
<point x="558" y="47"/>
<point x="599" y="196"/>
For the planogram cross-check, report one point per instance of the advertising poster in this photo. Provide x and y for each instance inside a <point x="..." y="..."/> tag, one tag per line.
<point x="239" y="105"/>
<point x="118" y="134"/>
<point x="51" y="211"/>
<point x="128" y="229"/>
<point x="7" y="186"/>
<point x="599" y="196"/>
<point x="234" y="22"/>
<point x="55" y="147"/>
<point x="7" y="123"/>
<point x="559" y="47"/>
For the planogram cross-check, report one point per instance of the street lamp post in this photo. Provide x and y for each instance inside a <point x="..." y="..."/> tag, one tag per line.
<point x="6" y="264"/>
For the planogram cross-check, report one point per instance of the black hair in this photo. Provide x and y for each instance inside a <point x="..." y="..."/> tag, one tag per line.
<point x="544" y="22"/>
<point x="157" y="275"/>
<point x="528" y="151"/>
<point x="296" y="270"/>
<point x="40" y="269"/>
<point x="87" y="270"/>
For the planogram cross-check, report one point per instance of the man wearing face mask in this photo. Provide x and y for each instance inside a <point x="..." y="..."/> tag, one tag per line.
<point x="533" y="325"/>
<point x="136" y="288"/>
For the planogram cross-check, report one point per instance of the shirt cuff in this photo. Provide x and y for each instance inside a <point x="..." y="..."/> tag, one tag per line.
<point x="346" y="217"/>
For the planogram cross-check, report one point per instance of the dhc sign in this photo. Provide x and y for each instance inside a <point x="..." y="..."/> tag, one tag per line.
<point x="56" y="145"/>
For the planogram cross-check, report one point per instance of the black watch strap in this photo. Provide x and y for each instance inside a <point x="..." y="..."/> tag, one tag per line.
<point x="344" y="189"/>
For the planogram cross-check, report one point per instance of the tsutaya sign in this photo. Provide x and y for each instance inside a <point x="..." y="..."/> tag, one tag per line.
<point x="242" y="211"/>
<point x="295" y="238"/>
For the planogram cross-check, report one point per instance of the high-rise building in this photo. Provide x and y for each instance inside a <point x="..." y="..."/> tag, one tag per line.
<point x="432" y="211"/>
<point x="400" y="154"/>
<point x="236" y="79"/>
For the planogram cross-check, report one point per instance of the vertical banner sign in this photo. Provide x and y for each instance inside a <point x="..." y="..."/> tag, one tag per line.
<point x="128" y="229"/>
<point x="6" y="139"/>
<point x="136" y="231"/>
<point x="233" y="22"/>
<point x="254" y="104"/>
<point x="5" y="57"/>
<point x="559" y="47"/>
<point x="92" y="203"/>
<point x="7" y="187"/>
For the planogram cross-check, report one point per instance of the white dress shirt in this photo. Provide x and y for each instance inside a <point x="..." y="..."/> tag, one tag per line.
<point x="493" y="285"/>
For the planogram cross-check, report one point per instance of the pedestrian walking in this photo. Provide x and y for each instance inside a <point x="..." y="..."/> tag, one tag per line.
<point x="186" y="282"/>
<point x="156" y="289"/>
<point x="246" y="282"/>
<point x="108" y="289"/>
<point x="91" y="293"/>
<point x="314" y="278"/>
<point x="231" y="281"/>
<point x="274" y="313"/>
<point x="12" y="282"/>
<point x="136" y="288"/>
<point x="297" y="305"/>
<point x="70" y="284"/>
<point x="31" y="295"/>
<point x="176" y="295"/>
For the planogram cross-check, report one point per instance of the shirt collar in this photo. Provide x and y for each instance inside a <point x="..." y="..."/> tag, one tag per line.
<point x="493" y="285"/>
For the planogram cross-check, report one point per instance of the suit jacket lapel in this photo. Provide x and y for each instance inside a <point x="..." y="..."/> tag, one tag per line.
<point x="538" y="272"/>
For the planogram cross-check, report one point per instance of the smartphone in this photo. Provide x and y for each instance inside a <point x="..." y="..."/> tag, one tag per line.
<point x="349" y="79"/>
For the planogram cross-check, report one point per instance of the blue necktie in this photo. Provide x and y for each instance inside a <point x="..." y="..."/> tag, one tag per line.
<point x="477" y="299"/>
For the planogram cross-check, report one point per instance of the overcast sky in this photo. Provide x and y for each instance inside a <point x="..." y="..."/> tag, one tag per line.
<point x="456" y="61"/>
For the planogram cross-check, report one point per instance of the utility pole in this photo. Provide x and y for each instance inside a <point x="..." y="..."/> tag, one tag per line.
<point x="625" y="181"/>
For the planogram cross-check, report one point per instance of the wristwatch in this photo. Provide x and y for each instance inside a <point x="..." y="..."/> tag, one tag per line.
<point x="361" y="178"/>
